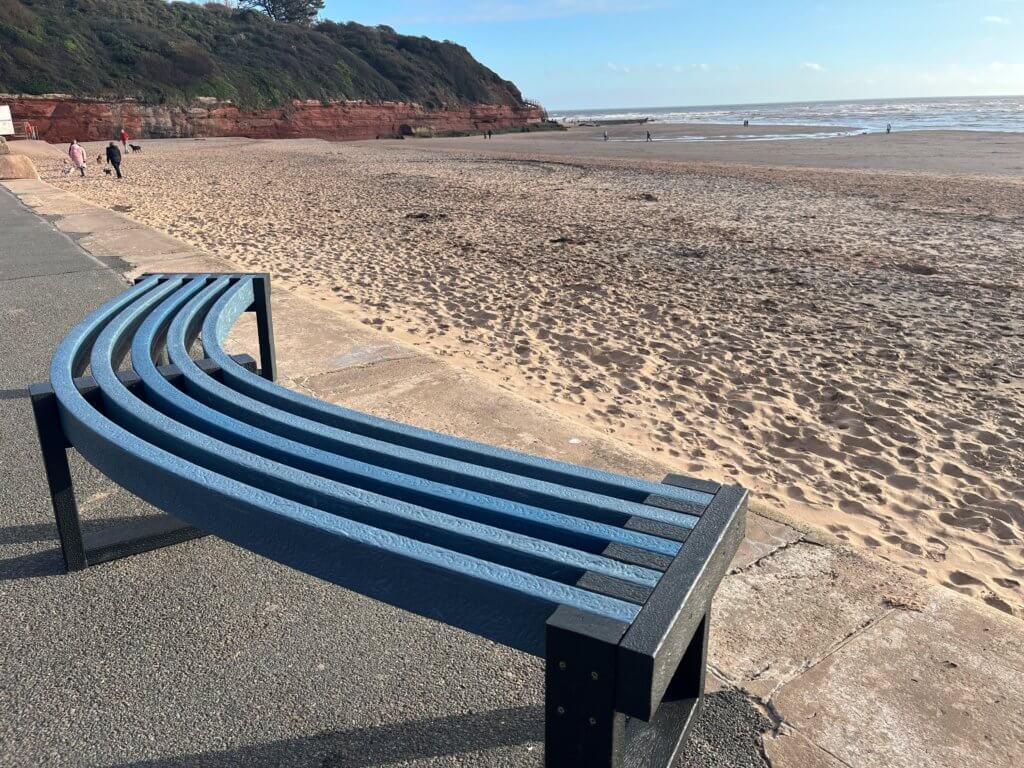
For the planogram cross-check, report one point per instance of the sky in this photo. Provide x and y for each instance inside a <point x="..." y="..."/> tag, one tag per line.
<point x="575" y="54"/>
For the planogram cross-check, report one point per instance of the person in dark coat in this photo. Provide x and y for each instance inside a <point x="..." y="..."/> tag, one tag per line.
<point x="114" y="158"/>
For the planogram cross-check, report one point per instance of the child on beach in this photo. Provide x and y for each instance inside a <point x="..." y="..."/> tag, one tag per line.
<point x="649" y="136"/>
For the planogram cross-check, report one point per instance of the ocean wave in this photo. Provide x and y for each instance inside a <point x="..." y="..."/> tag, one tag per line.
<point x="964" y="114"/>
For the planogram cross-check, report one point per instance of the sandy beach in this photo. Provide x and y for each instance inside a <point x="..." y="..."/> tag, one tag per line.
<point x="835" y="324"/>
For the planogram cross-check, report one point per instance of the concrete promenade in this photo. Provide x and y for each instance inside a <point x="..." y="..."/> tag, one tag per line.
<point x="206" y="655"/>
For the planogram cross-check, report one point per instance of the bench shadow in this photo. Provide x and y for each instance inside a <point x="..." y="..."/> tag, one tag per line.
<point x="49" y="562"/>
<point x="728" y="735"/>
<point x="379" y="745"/>
<point x="20" y="393"/>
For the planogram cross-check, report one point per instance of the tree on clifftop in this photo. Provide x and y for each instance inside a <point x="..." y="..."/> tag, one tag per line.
<point x="291" y="11"/>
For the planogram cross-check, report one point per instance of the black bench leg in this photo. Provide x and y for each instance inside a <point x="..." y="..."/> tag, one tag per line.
<point x="265" y="327"/>
<point x="54" y="448"/>
<point x="582" y="727"/>
<point x="657" y="744"/>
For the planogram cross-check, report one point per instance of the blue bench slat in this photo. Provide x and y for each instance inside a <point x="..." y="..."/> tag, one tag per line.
<point x="515" y="550"/>
<point x="223" y="317"/>
<point x="527" y="490"/>
<point x="541" y="523"/>
<point x="500" y="603"/>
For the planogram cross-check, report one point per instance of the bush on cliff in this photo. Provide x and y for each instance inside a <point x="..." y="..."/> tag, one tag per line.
<point x="161" y="52"/>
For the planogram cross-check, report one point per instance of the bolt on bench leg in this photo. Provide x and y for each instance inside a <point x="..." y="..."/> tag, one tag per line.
<point x="582" y="727"/>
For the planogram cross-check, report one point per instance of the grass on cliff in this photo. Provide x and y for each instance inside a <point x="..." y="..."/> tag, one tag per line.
<point x="161" y="52"/>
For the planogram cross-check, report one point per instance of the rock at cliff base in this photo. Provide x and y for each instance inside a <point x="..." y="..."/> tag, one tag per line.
<point x="17" y="167"/>
<point x="4" y="150"/>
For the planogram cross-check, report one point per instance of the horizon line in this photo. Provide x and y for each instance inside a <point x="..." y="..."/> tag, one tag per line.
<point x="777" y="103"/>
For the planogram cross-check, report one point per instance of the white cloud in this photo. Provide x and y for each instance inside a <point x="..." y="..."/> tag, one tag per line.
<point x="1001" y="20"/>
<point x="813" y="66"/>
<point x="612" y="66"/>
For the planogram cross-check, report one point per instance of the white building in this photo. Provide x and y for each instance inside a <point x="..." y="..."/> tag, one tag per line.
<point x="6" y="121"/>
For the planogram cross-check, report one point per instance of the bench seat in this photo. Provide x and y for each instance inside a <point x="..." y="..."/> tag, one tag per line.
<point x="608" y="577"/>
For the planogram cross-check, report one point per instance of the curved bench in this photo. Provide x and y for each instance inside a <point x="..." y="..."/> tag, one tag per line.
<point x="609" y="578"/>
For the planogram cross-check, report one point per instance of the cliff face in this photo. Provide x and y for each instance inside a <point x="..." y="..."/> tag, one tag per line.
<point x="62" y="118"/>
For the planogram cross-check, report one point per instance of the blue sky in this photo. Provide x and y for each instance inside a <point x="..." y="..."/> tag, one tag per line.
<point x="617" y="53"/>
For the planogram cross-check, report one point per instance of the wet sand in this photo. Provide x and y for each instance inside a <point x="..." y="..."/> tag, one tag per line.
<point x="847" y="343"/>
<point x="989" y="154"/>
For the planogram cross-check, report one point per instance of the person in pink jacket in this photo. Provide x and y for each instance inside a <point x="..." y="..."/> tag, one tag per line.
<point x="77" y="154"/>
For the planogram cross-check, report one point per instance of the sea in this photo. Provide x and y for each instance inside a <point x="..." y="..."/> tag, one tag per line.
<point x="975" y="113"/>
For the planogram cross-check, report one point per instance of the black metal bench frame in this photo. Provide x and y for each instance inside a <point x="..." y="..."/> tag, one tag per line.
<point x="617" y="695"/>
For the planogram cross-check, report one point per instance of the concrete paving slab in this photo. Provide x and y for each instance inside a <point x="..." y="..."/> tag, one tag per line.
<point x="58" y="205"/>
<point x="312" y="340"/>
<point x="763" y="537"/>
<point x="427" y="392"/>
<point x="781" y="616"/>
<point x="791" y="750"/>
<point x="30" y="186"/>
<point x="100" y="220"/>
<point x="131" y="245"/>
<point x="940" y="688"/>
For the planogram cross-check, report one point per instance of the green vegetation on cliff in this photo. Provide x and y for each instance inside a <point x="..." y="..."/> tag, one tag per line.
<point x="161" y="52"/>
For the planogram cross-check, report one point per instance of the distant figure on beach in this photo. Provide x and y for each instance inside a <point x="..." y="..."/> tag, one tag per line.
<point x="30" y="131"/>
<point x="649" y="136"/>
<point x="606" y="135"/>
<point x="490" y="133"/>
<point x="888" y="127"/>
<point x="124" y="139"/>
<point x="746" y="123"/>
<point x="114" y="158"/>
<point x="77" y="154"/>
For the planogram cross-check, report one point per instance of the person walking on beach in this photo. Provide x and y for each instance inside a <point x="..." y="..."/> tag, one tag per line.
<point x="649" y="136"/>
<point x="114" y="158"/>
<point x="77" y="154"/>
<point x="606" y="135"/>
<point x="124" y="139"/>
<point x="888" y="128"/>
<point x="490" y="134"/>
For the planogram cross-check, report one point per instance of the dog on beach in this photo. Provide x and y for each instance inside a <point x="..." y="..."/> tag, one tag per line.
<point x="135" y="148"/>
<point x="99" y="159"/>
<point x="107" y="171"/>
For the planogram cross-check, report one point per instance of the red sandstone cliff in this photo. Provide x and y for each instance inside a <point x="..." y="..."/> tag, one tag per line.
<point x="63" y="118"/>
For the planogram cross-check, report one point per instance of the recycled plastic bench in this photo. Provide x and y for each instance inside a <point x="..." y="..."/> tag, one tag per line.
<point x="607" y="577"/>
